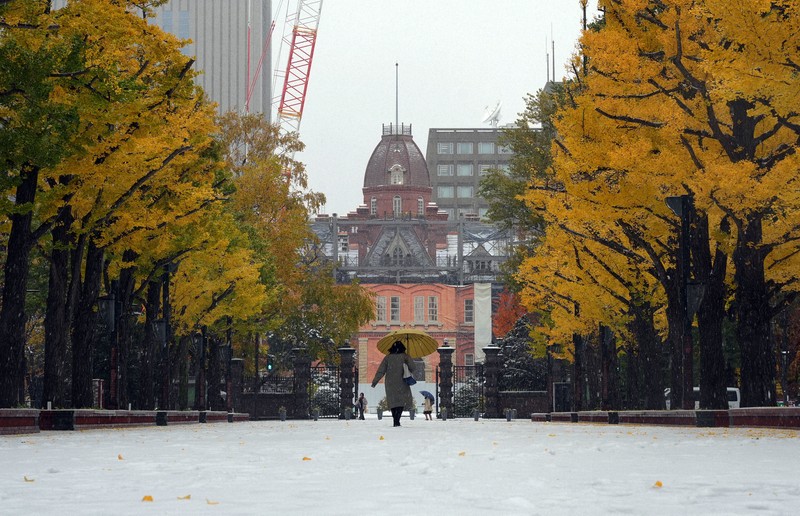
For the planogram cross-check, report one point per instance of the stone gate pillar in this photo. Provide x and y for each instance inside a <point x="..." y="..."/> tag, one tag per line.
<point x="490" y="387"/>
<point x="346" y="386"/>
<point x="446" y="378"/>
<point x="302" y="377"/>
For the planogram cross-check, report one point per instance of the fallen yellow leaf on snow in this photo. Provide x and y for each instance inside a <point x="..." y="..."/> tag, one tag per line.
<point x="28" y="479"/>
<point x="147" y="498"/>
<point x="306" y="458"/>
<point x="461" y="454"/>
<point x="119" y="457"/>
<point x="381" y="438"/>
<point x="209" y="502"/>
<point x="187" y="497"/>
<point x="658" y="484"/>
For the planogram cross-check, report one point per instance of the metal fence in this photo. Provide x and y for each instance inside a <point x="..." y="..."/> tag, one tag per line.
<point x="269" y="385"/>
<point x="323" y="391"/>
<point x="468" y="390"/>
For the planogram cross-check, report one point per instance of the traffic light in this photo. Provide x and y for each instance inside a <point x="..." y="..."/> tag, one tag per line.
<point x="270" y="363"/>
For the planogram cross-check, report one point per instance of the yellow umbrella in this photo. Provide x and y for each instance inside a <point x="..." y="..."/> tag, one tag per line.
<point x="418" y="343"/>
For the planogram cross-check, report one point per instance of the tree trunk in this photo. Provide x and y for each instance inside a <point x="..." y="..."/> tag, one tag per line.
<point x="650" y="356"/>
<point x="610" y="383"/>
<point x="83" y="332"/>
<point x="57" y="320"/>
<point x="633" y="391"/>
<point x="675" y="338"/>
<point x="12" y="311"/>
<point x="713" y="391"/>
<point x="753" y="317"/>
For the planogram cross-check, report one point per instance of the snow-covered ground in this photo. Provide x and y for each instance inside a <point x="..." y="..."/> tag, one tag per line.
<point x="424" y="467"/>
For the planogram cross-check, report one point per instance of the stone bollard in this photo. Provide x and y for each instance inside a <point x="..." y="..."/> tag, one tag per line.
<point x="443" y="412"/>
<point x="282" y="413"/>
<point x="476" y="414"/>
<point x="411" y="414"/>
<point x="508" y="414"/>
<point x="348" y="413"/>
<point x="315" y="413"/>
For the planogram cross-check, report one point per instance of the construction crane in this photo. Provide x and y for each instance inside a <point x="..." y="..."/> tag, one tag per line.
<point x="301" y="40"/>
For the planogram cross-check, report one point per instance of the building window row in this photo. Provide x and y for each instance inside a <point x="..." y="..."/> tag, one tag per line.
<point x="462" y="169"/>
<point x="469" y="148"/>
<point x="461" y="191"/>
<point x="419" y="309"/>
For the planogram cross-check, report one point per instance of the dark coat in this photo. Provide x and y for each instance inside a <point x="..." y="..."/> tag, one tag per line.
<point x="398" y="393"/>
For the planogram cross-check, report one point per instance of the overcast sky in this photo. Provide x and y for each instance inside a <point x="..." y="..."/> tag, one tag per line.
<point x="455" y="58"/>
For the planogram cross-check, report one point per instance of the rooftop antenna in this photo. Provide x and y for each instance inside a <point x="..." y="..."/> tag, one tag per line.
<point x="547" y="59"/>
<point x="553" y="43"/>
<point x="396" y="97"/>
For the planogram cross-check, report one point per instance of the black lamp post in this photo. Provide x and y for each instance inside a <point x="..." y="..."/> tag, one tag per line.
<point x="166" y="378"/>
<point x="161" y="340"/>
<point x="107" y="305"/>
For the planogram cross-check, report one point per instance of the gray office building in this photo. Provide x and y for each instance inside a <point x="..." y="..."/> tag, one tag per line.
<point x="457" y="161"/>
<point x="218" y="30"/>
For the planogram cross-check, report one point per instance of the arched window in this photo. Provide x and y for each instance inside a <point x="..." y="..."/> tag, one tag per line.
<point x="396" y="172"/>
<point x="397" y="205"/>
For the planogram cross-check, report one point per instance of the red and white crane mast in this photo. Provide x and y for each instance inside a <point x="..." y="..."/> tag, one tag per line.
<point x="301" y="41"/>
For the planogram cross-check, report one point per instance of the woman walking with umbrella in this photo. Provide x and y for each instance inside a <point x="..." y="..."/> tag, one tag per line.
<point x="398" y="392"/>
<point x="427" y="405"/>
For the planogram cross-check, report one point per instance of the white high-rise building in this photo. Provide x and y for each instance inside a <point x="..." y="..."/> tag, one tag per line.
<point x="219" y="33"/>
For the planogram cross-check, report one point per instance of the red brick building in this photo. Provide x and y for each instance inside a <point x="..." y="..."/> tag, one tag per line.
<point x="426" y="271"/>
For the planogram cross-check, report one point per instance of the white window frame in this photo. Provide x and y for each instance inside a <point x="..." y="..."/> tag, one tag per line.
<point x="469" y="311"/>
<point x="394" y="313"/>
<point x="469" y="359"/>
<point x="486" y="148"/>
<point x="420" y="206"/>
<point x="444" y="169"/>
<point x="433" y="309"/>
<point x="465" y="148"/>
<point x="380" y="309"/>
<point x="446" y="188"/>
<point x="373" y="206"/>
<point x="462" y="189"/>
<point x="444" y="148"/>
<point x="465" y="170"/>
<point x="419" y="309"/>
<point x="397" y="205"/>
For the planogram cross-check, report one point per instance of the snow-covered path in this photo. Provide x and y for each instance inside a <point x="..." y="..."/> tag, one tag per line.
<point x="424" y="467"/>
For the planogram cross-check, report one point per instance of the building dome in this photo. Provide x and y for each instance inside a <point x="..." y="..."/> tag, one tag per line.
<point x="397" y="161"/>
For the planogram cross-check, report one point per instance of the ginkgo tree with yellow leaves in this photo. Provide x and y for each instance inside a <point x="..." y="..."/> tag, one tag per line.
<point x="146" y="204"/>
<point x="684" y="98"/>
